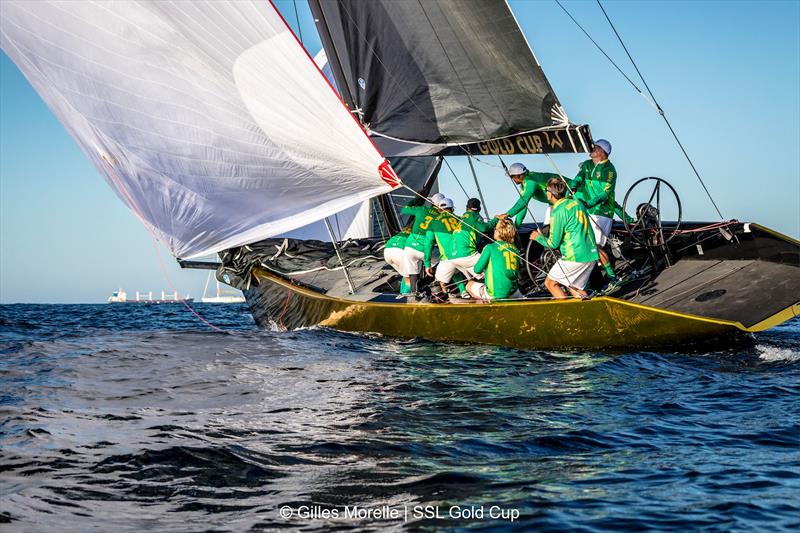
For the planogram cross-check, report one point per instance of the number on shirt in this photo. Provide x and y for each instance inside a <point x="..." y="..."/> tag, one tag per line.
<point x="581" y="216"/>
<point x="424" y="225"/>
<point x="511" y="260"/>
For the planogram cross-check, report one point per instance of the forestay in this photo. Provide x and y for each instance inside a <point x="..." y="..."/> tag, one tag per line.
<point x="208" y="119"/>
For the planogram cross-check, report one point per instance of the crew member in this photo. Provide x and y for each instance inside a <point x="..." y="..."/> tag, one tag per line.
<point x="440" y="231"/>
<point x="594" y="186"/>
<point x="532" y="185"/>
<point x="500" y="261"/>
<point x="415" y="243"/>
<point x="464" y="254"/>
<point x="394" y="254"/>
<point x="571" y="234"/>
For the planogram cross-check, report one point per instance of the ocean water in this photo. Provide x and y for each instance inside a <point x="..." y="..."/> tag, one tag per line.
<point x="139" y="418"/>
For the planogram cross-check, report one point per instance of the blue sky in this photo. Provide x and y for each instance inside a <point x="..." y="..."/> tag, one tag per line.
<point x="726" y="73"/>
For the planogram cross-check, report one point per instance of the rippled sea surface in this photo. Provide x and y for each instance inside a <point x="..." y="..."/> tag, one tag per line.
<point x="133" y="418"/>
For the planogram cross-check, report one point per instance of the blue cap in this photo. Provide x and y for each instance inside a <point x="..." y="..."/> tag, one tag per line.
<point x="604" y="145"/>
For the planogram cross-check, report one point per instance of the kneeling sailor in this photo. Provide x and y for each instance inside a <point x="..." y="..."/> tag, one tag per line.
<point x="464" y="254"/>
<point x="394" y="255"/>
<point x="500" y="260"/>
<point x="415" y="243"/>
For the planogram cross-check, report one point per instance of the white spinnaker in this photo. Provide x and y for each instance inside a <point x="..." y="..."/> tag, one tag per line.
<point x="207" y="118"/>
<point x="353" y="222"/>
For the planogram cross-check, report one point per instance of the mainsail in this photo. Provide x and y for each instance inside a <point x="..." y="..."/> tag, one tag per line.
<point x="207" y="118"/>
<point x="440" y="76"/>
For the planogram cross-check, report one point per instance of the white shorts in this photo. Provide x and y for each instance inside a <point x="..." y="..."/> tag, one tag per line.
<point x="448" y="267"/>
<point x="571" y="274"/>
<point x="396" y="257"/>
<point x="602" y="227"/>
<point x="478" y="291"/>
<point x="413" y="261"/>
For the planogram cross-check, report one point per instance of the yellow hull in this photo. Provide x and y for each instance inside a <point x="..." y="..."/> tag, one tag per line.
<point x="601" y="322"/>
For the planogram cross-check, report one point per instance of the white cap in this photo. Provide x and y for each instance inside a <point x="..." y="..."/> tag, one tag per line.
<point x="516" y="169"/>
<point x="446" y="203"/>
<point x="604" y="145"/>
<point x="436" y="198"/>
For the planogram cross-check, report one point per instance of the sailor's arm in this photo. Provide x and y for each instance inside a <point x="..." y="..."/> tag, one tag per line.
<point x="522" y="202"/>
<point x="480" y="266"/>
<point x="485" y="227"/>
<point x="427" y="248"/>
<point x="556" y="232"/>
<point x="410" y="208"/>
<point x="610" y="179"/>
<point x="625" y="217"/>
<point x="529" y="190"/>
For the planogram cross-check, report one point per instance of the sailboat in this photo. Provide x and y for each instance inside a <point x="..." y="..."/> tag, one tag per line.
<point x="221" y="296"/>
<point x="216" y="128"/>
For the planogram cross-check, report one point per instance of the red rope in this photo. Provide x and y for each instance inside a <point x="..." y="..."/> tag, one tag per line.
<point x="150" y="230"/>
<point x="285" y="307"/>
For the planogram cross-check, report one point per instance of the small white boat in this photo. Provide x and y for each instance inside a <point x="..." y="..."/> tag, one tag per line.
<point x="222" y="296"/>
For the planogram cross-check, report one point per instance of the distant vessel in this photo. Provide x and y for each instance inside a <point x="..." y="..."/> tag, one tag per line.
<point x="119" y="296"/>
<point x="232" y="297"/>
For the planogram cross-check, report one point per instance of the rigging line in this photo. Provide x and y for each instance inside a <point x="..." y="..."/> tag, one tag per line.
<point x="530" y="212"/>
<point x="297" y="16"/>
<point x="374" y="202"/>
<point x="339" y="255"/>
<point x="172" y="286"/>
<point x="478" y="186"/>
<point x="519" y="193"/>
<point x="636" y="87"/>
<point x="371" y="49"/>
<point x="571" y="192"/>
<point x="338" y="229"/>
<point x="460" y="81"/>
<point x="462" y="221"/>
<point x="661" y="111"/>
<point x="456" y="177"/>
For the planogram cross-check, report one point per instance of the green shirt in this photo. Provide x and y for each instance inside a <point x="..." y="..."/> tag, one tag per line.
<point x="594" y="186"/>
<point x="397" y="241"/>
<point x="423" y="215"/>
<point x="440" y="230"/>
<point x="500" y="260"/>
<point x="466" y="235"/>
<point x="534" y="185"/>
<point x="570" y="232"/>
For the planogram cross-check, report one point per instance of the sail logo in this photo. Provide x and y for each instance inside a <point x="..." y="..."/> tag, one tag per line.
<point x="532" y="143"/>
<point x="388" y="175"/>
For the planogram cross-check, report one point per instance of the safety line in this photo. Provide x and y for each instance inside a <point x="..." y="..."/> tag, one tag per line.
<point x="661" y="111"/>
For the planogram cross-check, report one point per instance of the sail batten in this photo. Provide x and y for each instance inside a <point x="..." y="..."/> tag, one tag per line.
<point x="208" y="119"/>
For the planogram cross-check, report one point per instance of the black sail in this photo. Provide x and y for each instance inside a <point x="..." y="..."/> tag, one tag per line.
<point x="425" y="75"/>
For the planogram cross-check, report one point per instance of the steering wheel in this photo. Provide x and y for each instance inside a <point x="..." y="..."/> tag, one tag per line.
<point x="648" y="229"/>
<point x="538" y="268"/>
